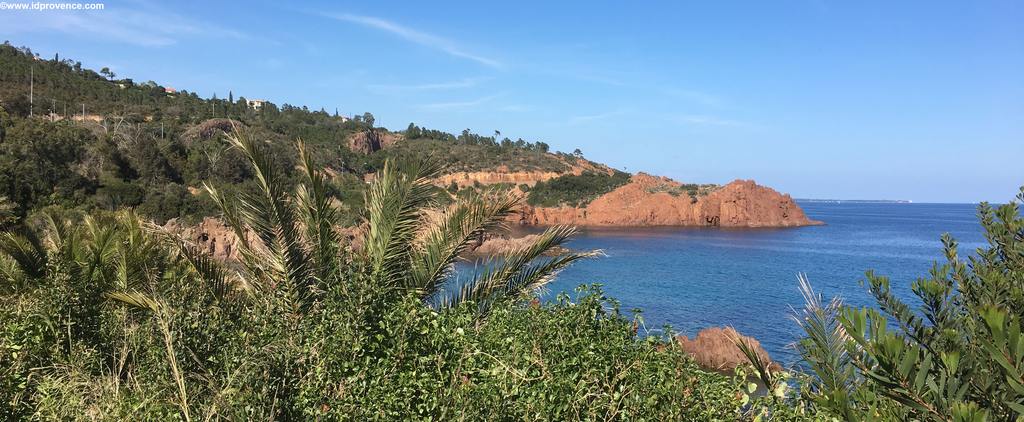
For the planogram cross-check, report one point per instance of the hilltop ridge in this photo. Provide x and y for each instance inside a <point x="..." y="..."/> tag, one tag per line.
<point x="86" y="139"/>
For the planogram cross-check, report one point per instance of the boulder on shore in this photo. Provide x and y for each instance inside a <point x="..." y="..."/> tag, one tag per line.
<point x="715" y="348"/>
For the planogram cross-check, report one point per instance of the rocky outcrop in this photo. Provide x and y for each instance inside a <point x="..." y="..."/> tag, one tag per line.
<point x="217" y="239"/>
<point x="659" y="201"/>
<point x="470" y="178"/>
<point x="211" y="235"/>
<point x="501" y="244"/>
<point x="502" y="174"/>
<point x="371" y="141"/>
<point x="715" y="348"/>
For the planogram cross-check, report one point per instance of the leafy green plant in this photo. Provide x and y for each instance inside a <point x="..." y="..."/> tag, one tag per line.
<point x="959" y="357"/>
<point x="575" y="190"/>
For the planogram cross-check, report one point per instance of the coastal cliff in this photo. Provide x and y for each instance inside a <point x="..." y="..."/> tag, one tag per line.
<point x="659" y="201"/>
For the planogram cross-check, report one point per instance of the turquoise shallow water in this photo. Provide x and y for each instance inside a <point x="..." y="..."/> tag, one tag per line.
<point x="695" y="278"/>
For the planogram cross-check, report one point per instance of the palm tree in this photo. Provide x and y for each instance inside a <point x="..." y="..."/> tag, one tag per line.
<point x="411" y="249"/>
<point x="118" y="257"/>
<point x="409" y="243"/>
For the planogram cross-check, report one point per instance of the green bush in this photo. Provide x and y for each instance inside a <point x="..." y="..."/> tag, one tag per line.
<point x="575" y="190"/>
<point x="958" y="356"/>
<point x="169" y="201"/>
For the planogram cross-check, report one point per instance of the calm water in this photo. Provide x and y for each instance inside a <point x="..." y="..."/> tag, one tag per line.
<point x="695" y="278"/>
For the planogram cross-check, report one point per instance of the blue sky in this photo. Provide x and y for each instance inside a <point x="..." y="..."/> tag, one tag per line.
<point x="888" y="100"/>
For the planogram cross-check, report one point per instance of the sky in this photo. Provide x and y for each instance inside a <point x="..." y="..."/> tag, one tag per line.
<point x="916" y="100"/>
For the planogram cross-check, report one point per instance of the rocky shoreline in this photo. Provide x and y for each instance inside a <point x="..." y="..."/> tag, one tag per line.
<point x="659" y="201"/>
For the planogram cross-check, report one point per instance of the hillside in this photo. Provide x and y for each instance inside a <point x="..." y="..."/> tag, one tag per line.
<point x="93" y="141"/>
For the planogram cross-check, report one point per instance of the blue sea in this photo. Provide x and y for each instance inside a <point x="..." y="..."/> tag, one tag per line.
<point x="692" y="278"/>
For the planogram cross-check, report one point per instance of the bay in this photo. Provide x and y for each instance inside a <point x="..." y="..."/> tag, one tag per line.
<point x="693" y="278"/>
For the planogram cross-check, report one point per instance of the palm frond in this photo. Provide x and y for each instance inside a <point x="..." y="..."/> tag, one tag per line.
<point x="98" y="249"/>
<point x="512" y="275"/>
<point x="270" y="214"/>
<point x="139" y="257"/>
<point x="61" y="234"/>
<point x="535" y="277"/>
<point x="824" y="346"/>
<point x="394" y="203"/>
<point x="26" y="251"/>
<point x="135" y="298"/>
<point x="762" y="365"/>
<point x="319" y="216"/>
<point x="250" y="258"/>
<point x="460" y="224"/>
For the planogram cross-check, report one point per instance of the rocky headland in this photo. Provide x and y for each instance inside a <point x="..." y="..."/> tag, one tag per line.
<point x="659" y="201"/>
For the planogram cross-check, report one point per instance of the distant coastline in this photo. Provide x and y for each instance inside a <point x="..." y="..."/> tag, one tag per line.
<point x="857" y="201"/>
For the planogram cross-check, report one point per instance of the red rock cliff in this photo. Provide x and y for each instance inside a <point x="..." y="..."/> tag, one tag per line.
<point x="646" y="201"/>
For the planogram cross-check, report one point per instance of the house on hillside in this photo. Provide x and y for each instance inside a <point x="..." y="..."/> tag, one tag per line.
<point x="170" y="90"/>
<point x="256" y="104"/>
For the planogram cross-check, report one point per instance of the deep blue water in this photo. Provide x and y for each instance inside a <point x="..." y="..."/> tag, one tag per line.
<point x="695" y="278"/>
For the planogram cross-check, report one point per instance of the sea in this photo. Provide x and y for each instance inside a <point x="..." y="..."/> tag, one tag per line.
<point x="693" y="278"/>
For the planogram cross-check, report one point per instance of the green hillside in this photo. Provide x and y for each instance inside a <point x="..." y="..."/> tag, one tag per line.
<point x="79" y="138"/>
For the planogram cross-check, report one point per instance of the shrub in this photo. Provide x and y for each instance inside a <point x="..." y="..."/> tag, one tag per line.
<point x="575" y="190"/>
<point x="959" y="356"/>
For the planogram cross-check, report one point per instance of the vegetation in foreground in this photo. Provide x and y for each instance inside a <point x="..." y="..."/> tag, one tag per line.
<point x="109" y="317"/>
<point x="958" y="357"/>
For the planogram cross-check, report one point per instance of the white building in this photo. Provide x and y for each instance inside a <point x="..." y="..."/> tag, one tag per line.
<point x="256" y="104"/>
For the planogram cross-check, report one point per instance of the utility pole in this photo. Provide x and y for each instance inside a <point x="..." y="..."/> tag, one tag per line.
<point x="53" y="108"/>
<point x="31" y="89"/>
<point x="83" y="112"/>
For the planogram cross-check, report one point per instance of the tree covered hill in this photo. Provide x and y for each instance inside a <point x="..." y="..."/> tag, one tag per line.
<point x="75" y="137"/>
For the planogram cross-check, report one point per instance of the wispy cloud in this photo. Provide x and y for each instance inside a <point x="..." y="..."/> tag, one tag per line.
<point x="419" y="37"/>
<point x="141" y="26"/>
<point x="436" y="86"/>
<point x="458" y="104"/>
<point x="575" y="120"/>
<point x="698" y="97"/>
<point x="516" y="108"/>
<point x="707" y="120"/>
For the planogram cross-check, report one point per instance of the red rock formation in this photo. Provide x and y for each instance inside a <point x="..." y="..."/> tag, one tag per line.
<point x="211" y="235"/>
<point x="658" y="201"/>
<point x="715" y="348"/>
<point x="371" y="141"/>
<point x="217" y="239"/>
